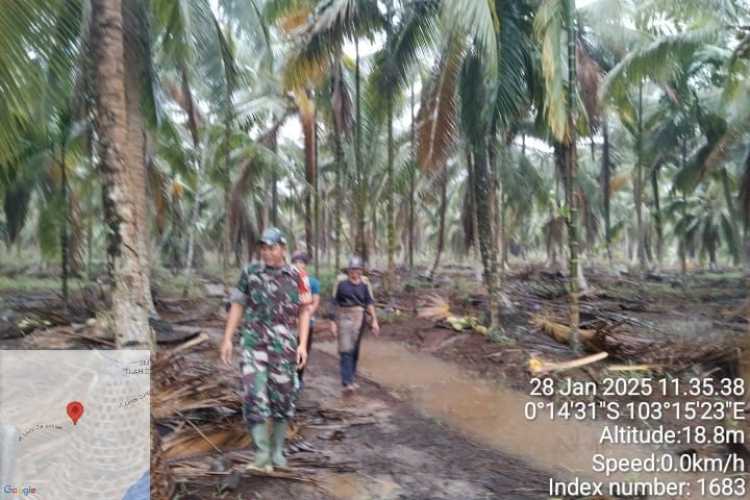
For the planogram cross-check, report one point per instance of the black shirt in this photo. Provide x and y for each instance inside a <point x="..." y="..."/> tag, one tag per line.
<point x="348" y="294"/>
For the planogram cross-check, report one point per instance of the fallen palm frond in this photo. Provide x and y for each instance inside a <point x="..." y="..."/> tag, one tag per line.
<point x="538" y="366"/>
<point x="437" y="309"/>
<point x="634" y="368"/>
<point x="639" y="348"/>
<point x="198" y="402"/>
<point x="434" y="308"/>
<point x="193" y="442"/>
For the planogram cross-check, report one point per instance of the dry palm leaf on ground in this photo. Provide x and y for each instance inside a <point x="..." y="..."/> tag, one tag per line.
<point x="437" y="308"/>
<point x="635" y="347"/>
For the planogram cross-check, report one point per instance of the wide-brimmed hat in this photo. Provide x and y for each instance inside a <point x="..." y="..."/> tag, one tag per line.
<point x="355" y="262"/>
<point x="272" y="236"/>
<point x="300" y="256"/>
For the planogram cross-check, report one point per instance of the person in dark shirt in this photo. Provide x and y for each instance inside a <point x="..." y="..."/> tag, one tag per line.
<point x="300" y="260"/>
<point x="354" y="304"/>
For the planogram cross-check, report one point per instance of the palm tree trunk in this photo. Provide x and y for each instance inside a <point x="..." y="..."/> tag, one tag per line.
<point x="272" y="142"/>
<point x="373" y="236"/>
<point x="657" y="214"/>
<point x="90" y="248"/>
<point x="499" y="198"/>
<point x="389" y="217"/>
<point x="316" y="193"/>
<point x="681" y="250"/>
<point x="340" y="166"/>
<point x="605" y="179"/>
<point x="227" y="233"/>
<point x="745" y="197"/>
<point x="64" y="240"/>
<point x="274" y="199"/>
<point x="569" y="152"/>
<point x="361" y="188"/>
<point x="136" y="53"/>
<point x="195" y="213"/>
<point x="309" y="135"/>
<point x="733" y="217"/>
<point x="412" y="181"/>
<point x="494" y="203"/>
<point x="129" y="279"/>
<point x="441" y="223"/>
<point x="194" y="216"/>
<point x="323" y="238"/>
<point x="471" y="182"/>
<point x="487" y="243"/>
<point x="503" y="221"/>
<point x="390" y="222"/>
<point x="639" y="184"/>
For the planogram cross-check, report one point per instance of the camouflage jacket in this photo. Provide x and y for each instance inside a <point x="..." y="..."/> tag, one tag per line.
<point x="271" y="297"/>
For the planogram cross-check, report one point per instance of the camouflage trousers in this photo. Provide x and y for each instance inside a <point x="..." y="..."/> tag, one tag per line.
<point x="269" y="374"/>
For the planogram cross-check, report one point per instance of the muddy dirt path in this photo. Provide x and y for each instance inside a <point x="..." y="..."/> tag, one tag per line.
<point x="492" y="415"/>
<point x="393" y="452"/>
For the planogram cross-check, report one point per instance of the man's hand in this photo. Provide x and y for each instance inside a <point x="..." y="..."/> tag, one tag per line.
<point x="301" y="357"/>
<point x="226" y="351"/>
<point x="375" y="328"/>
<point x="334" y="329"/>
<point x="233" y="320"/>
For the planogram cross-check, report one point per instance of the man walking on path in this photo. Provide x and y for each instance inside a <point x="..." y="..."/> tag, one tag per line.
<point x="355" y="308"/>
<point x="271" y="316"/>
<point x="300" y="260"/>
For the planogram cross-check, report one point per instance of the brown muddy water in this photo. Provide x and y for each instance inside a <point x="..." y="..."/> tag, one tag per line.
<point x="492" y="415"/>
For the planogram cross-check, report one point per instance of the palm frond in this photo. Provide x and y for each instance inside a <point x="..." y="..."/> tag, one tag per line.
<point x="333" y="22"/>
<point x="550" y="31"/>
<point x="515" y="69"/>
<point x="589" y="78"/>
<point x="660" y="60"/>
<point x="605" y="18"/>
<point x="436" y="120"/>
<point x="38" y="44"/>
<point x="479" y="19"/>
<point x="274" y="10"/>
<point x="394" y="65"/>
<point x="341" y="100"/>
<point x="253" y="28"/>
<point x="473" y="94"/>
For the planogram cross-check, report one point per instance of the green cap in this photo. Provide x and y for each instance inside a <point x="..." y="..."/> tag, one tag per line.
<point x="272" y="236"/>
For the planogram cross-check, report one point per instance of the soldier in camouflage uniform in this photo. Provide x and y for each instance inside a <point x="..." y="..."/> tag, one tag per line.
<point x="269" y="307"/>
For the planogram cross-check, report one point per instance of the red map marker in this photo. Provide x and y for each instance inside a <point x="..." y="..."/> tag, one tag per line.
<point x="75" y="410"/>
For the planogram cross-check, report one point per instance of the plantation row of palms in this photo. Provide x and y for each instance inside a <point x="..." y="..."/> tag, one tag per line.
<point x="614" y="129"/>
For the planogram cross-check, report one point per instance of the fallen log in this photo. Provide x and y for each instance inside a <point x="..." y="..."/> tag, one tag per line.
<point x="558" y="331"/>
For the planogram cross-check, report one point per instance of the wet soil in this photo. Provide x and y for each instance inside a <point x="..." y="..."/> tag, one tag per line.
<point x="441" y="413"/>
<point x="404" y="453"/>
